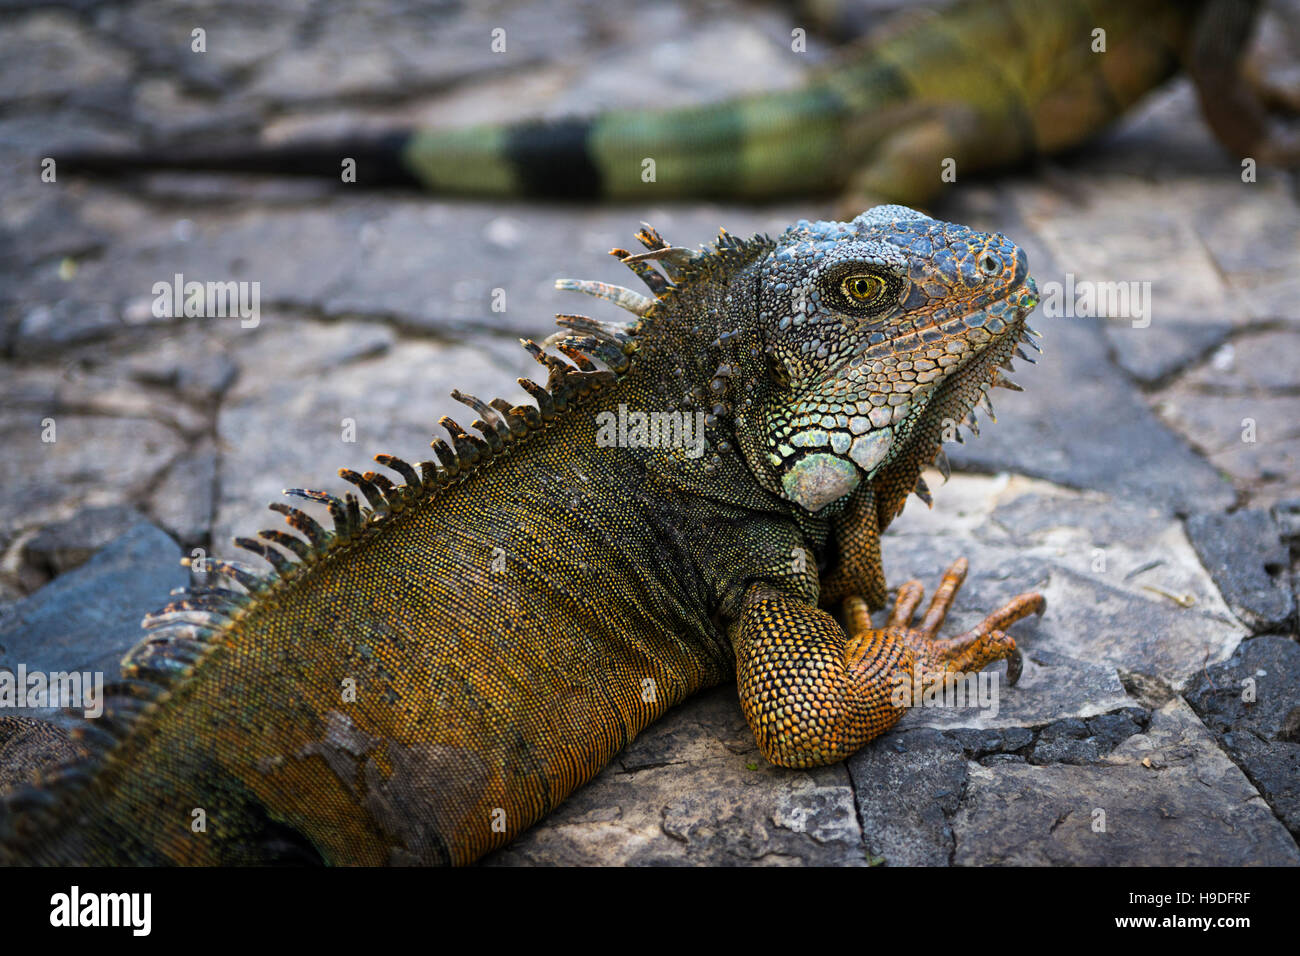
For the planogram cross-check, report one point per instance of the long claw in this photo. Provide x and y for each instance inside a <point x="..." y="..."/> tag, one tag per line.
<point x="1015" y="664"/>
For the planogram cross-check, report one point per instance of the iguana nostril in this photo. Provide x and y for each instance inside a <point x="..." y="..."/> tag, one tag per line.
<point x="990" y="264"/>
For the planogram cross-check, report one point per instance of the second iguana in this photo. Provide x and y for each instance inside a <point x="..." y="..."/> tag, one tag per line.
<point x="979" y="85"/>
<point x="697" y="496"/>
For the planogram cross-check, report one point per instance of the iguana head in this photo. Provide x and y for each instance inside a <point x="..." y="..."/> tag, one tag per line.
<point x="829" y="354"/>
<point x="870" y="327"/>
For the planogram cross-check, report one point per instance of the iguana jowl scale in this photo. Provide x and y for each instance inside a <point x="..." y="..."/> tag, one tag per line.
<point x="829" y="362"/>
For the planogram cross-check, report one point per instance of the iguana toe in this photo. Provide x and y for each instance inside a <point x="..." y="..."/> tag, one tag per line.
<point x="972" y="650"/>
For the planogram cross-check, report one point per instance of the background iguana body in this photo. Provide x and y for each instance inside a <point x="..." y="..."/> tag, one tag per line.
<point x="465" y="648"/>
<point x="985" y="84"/>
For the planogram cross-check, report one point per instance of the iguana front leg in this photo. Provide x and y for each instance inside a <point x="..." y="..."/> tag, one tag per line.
<point x="814" y="692"/>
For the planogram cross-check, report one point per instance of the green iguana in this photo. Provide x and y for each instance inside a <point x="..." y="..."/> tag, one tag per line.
<point x="982" y="85"/>
<point x="696" y="496"/>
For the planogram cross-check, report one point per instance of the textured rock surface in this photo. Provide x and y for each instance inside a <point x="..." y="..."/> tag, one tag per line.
<point x="1252" y="703"/>
<point x="908" y="786"/>
<point x="87" y="619"/>
<point x="1257" y="690"/>
<point x="1167" y="797"/>
<point x="69" y="544"/>
<point x="1239" y="408"/>
<point x="1245" y="553"/>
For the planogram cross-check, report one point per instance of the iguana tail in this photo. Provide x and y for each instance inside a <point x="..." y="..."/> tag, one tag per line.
<point x="983" y="84"/>
<point x="754" y="147"/>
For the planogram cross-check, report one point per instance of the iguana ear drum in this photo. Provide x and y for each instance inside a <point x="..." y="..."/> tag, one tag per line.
<point x="814" y="481"/>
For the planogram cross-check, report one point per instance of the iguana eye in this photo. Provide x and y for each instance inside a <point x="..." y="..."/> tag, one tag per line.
<point x="862" y="289"/>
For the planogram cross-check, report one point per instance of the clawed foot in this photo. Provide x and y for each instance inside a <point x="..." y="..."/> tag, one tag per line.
<point x="967" y="653"/>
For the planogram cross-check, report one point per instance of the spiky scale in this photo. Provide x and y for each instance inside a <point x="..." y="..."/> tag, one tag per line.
<point x="355" y="518"/>
<point x="336" y="508"/>
<point x="450" y="463"/>
<point x="655" y="281"/>
<point x="402" y="468"/>
<point x="576" y="356"/>
<point x="922" y="491"/>
<point x="513" y="417"/>
<point x="492" y="426"/>
<point x="624" y="298"/>
<point x="245" y="576"/>
<point x="385" y="484"/>
<point x="301" y="521"/>
<point x="207" y="598"/>
<point x="373" y="495"/>
<point x="469" y="448"/>
<point x="297" y="546"/>
<point x="649" y="237"/>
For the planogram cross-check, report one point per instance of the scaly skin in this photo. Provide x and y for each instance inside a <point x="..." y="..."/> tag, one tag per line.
<point x="986" y="84"/>
<point x="26" y="748"/>
<point x="449" y="663"/>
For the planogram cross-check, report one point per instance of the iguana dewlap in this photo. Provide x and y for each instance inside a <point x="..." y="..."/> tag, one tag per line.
<point x="696" y="497"/>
